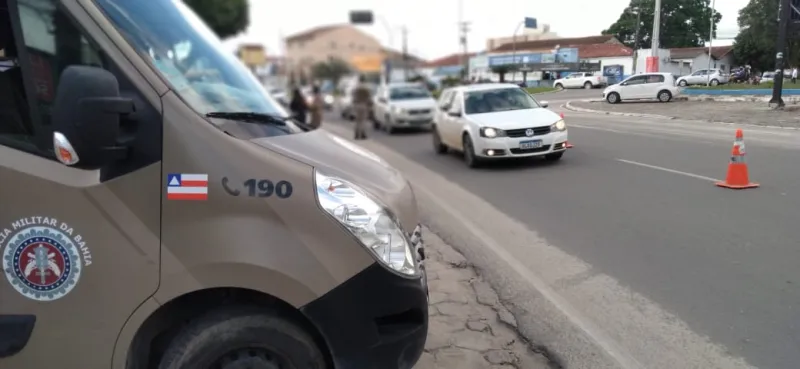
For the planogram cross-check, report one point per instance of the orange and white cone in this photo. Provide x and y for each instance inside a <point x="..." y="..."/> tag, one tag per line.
<point x="566" y="144"/>
<point x="738" y="177"/>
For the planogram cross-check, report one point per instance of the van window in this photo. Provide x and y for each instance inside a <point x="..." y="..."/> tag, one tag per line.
<point x="53" y="42"/>
<point x="191" y="57"/>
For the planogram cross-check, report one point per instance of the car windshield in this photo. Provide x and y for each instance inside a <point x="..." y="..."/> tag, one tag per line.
<point x="490" y="101"/>
<point x="408" y="93"/>
<point x="191" y="58"/>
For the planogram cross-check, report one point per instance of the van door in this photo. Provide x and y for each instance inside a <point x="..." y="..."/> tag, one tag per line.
<point x="79" y="248"/>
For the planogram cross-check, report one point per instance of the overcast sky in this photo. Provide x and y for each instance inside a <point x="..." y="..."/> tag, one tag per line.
<point x="432" y="24"/>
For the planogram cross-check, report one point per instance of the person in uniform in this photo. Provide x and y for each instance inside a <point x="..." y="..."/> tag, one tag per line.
<point x="317" y="105"/>
<point x="362" y="103"/>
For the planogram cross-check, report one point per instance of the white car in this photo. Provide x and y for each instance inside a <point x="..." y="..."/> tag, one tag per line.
<point x="497" y="120"/>
<point x="659" y="86"/>
<point x="403" y="105"/>
<point x="704" y="76"/>
<point x="581" y="80"/>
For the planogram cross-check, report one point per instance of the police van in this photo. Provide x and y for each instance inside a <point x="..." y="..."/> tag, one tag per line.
<point x="159" y="210"/>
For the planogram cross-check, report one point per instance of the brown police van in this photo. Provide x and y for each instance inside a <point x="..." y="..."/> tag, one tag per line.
<point x="158" y="210"/>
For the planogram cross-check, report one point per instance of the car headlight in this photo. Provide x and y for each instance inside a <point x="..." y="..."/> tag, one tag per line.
<point x="328" y="99"/>
<point x="559" y="126"/>
<point x="370" y="222"/>
<point x="490" y="132"/>
<point x="397" y="110"/>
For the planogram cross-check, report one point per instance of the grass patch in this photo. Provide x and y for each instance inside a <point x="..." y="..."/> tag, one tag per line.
<point x="538" y="90"/>
<point x="742" y="86"/>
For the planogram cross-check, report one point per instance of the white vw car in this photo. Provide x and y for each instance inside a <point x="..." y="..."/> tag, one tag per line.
<point x="497" y="120"/>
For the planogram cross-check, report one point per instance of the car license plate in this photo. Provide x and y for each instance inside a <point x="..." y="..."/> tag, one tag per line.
<point x="525" y="145"/>
<point x="420" y="121"/>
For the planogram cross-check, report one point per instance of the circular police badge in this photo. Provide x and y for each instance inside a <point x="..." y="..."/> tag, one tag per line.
<point x="42" y="260"/>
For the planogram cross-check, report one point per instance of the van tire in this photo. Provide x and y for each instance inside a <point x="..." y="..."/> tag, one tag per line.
<point x="244" y="337"/>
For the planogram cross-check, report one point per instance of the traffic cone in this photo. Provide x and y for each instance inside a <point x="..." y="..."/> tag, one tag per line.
<point x="737" y="177"/>
<point x="566" y="144"/>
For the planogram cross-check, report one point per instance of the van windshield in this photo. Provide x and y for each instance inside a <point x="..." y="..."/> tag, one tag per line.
<point x="191" y="57"/>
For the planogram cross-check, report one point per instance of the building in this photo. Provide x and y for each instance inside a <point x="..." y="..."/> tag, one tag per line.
<point x="447" y="66"/>
<point x="252" y="55"/>
<point x="526" y="35"/>
<point x="549" y="59"/>
<point x="342" y="41"/>
<point x="690" y="59"/>
<point x="362" y="51"/>
<point x="683" y="61"/>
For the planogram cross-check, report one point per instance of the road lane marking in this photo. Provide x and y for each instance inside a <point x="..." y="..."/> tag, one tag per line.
<point x="687" y="174"/>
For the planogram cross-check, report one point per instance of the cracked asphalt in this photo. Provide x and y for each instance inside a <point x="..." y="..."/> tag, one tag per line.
<point x="469" y="327"/>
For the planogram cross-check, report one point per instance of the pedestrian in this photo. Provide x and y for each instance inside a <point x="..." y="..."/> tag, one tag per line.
<point x="794" y="75"/>
<point x="362" y="103"/>
<point x="298" y="106"/>
<point x="317" y="105"/>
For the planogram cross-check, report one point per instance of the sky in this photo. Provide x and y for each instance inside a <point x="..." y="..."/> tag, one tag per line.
<point x="433" y="24"/>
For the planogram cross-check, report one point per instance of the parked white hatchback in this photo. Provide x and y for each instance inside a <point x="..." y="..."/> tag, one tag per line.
<point x="497" y="120"/>
<point x="659" y="86"/>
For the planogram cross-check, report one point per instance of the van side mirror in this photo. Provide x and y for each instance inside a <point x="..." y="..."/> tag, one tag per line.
<point x="544" y="104"/>
<point x="87" y="112"/>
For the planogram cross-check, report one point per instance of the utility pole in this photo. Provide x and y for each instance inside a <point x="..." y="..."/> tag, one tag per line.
<point x="404" y="31"/>
<point x="464" y="27"/>
<point x="710" y="40"/>
<point x="636" y="37"/>
<point x="784" y="11"/>
<point x="463" y="30"/>
<point x="656" y="28"/>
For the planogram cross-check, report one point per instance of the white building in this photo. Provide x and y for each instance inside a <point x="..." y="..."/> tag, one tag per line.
<point x="683" y="61"/>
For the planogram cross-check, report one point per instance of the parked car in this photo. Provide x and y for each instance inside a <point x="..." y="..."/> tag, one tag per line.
<point x="585" y="80"/>
<point x="659" y="86"/>
<point x="403" y="105"/>
<point x="497" y="120"/>
<point x="704" y="76"/>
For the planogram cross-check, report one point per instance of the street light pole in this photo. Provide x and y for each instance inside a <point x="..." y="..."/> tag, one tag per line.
<point x="784" y="10"/>
<point x="710" y="41"/>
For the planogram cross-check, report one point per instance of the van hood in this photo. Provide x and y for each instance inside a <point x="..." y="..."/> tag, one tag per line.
<point x="340" y="158"/>
<point x="516" y="119"/>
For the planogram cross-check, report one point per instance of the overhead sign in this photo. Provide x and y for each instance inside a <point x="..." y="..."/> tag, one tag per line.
<point x="367" y="62"/>
<point x="530" y="23"/>
<point x="514" y="59"/>
<point x="567" y="67"/>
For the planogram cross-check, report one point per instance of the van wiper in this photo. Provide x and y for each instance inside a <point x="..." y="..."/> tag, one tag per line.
<point x="250" y="117"/>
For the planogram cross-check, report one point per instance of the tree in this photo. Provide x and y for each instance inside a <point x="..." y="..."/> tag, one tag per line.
<point x="333" y="69"/>
<point x="226" y="18"/>
<point x="755" y="43"/>
<point x="684" y="23"/>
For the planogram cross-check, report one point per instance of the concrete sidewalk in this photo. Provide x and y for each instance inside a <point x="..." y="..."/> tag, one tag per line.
<point x="469" y="328"/>
<point x="740" y="112"/>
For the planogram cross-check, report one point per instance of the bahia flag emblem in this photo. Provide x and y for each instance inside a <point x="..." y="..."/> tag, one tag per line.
<point x="187" y="187"/>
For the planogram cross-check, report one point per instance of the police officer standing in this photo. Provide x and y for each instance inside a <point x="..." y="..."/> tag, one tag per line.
<point x="362" y="103"/>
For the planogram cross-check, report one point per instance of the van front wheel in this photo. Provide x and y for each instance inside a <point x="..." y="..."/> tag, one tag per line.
<point x="242" y="338"/>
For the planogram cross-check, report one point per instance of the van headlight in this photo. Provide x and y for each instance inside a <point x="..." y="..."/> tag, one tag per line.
<point x="372" y="223"/>
<point x="559" y="126"/>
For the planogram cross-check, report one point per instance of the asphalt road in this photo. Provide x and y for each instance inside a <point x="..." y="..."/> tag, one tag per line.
<point x="696" y="265"/>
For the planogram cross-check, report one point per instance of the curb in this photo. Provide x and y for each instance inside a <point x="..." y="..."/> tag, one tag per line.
<point x="569" y="106"/>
